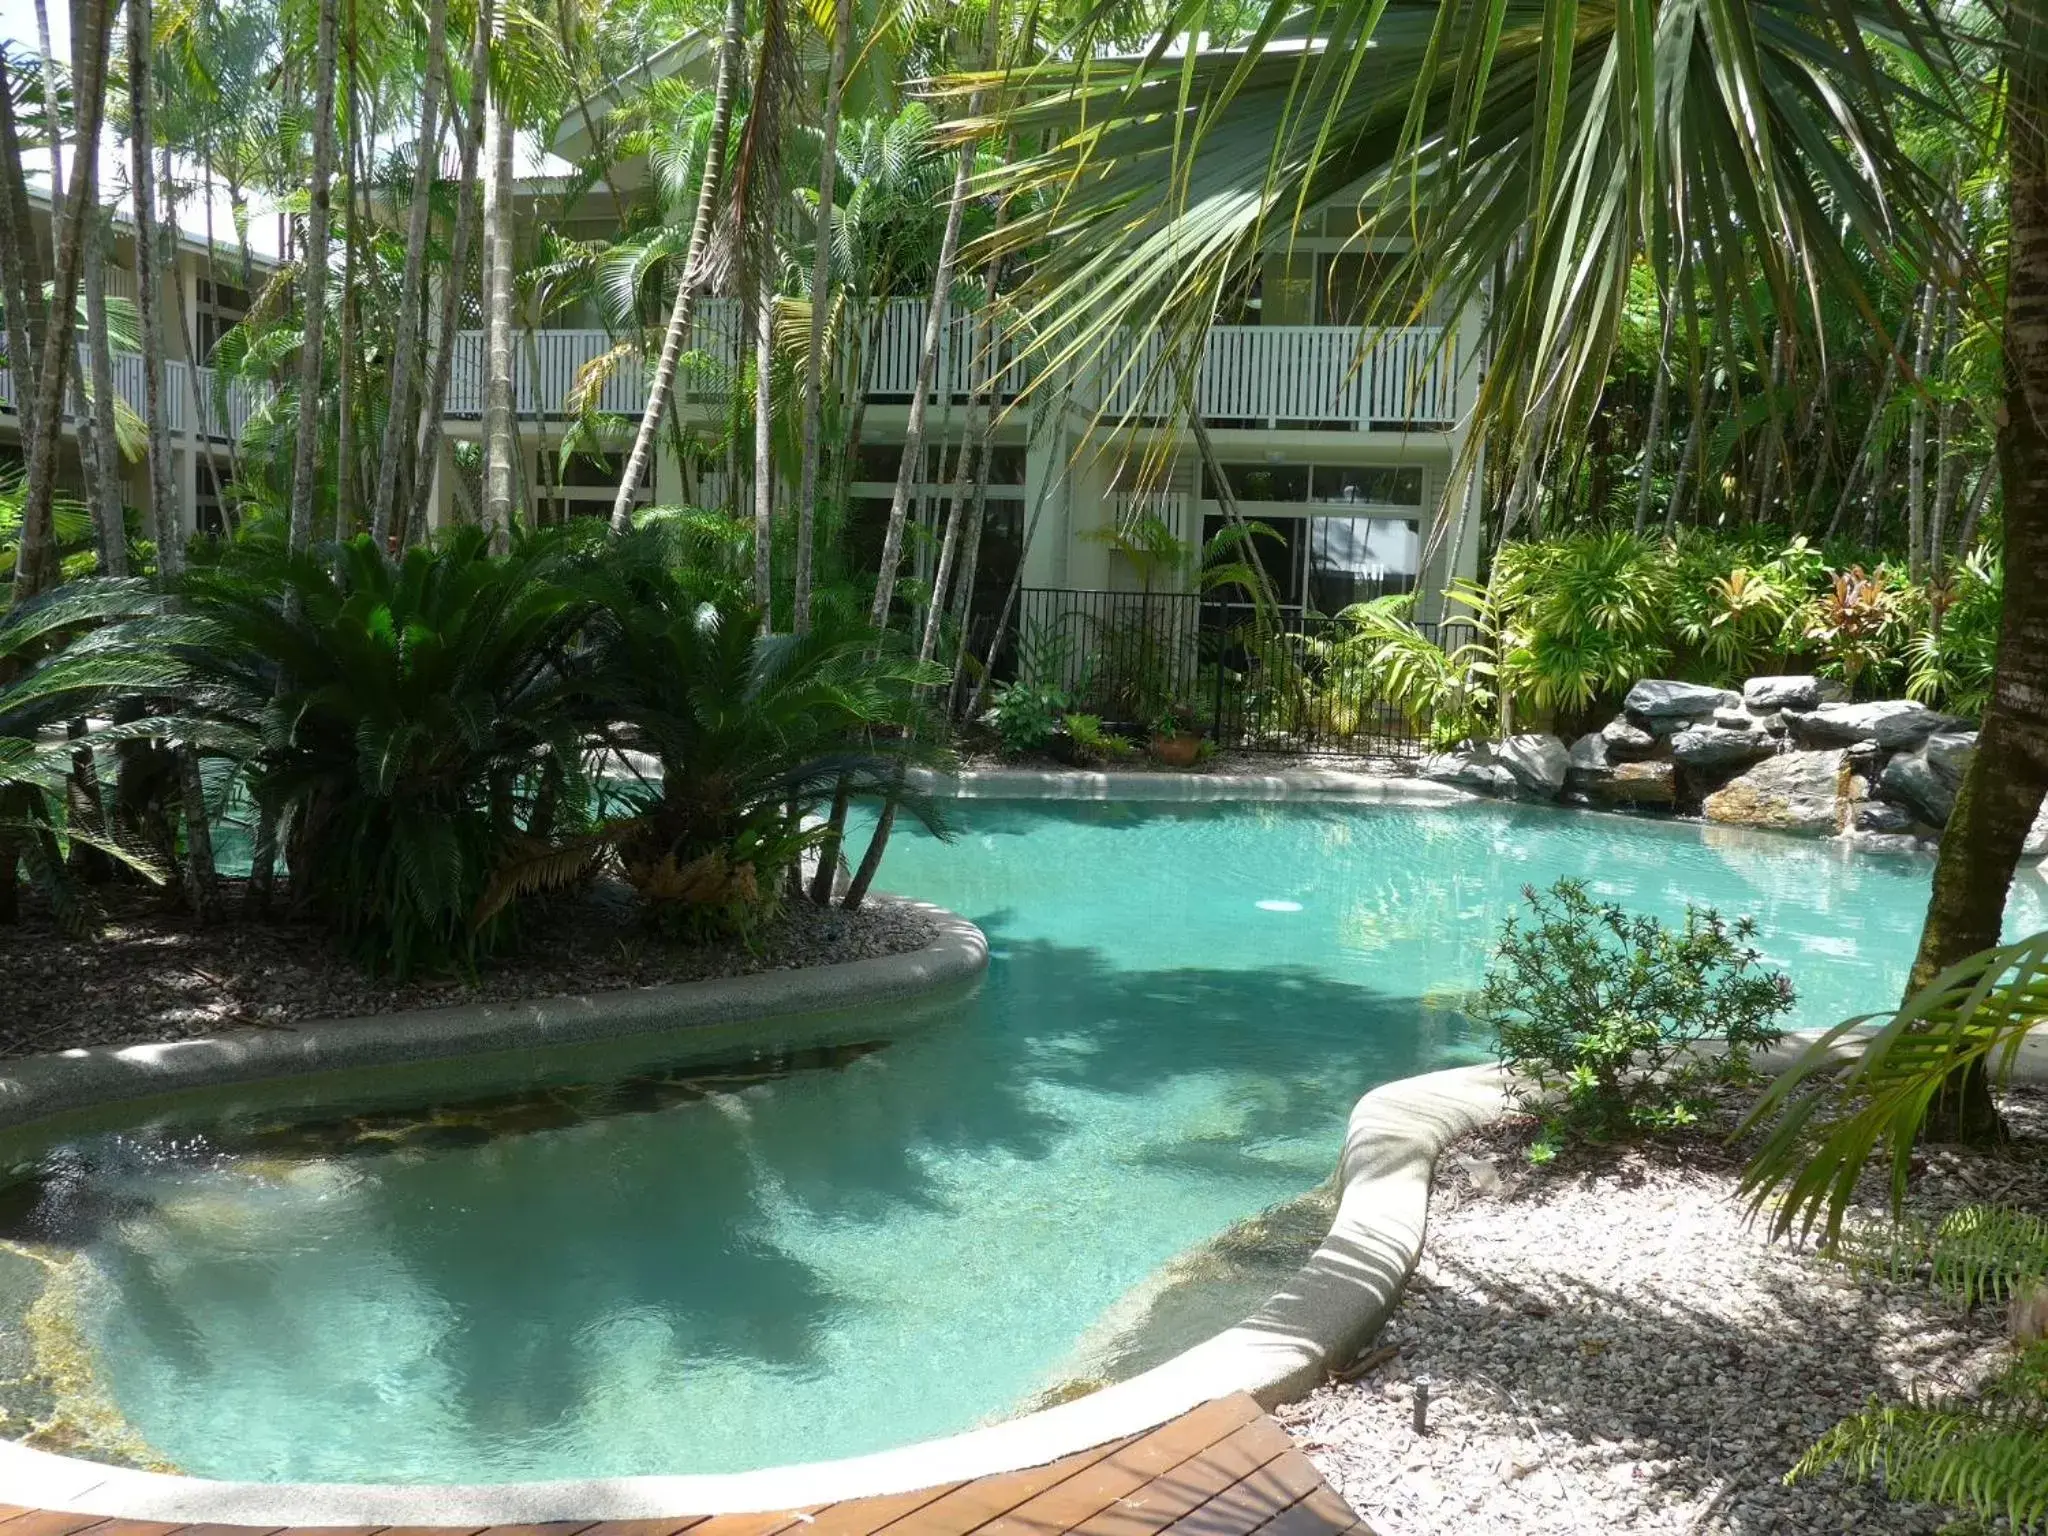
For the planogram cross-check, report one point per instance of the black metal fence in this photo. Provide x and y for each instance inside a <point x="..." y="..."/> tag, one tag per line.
<point x="1302" y="682"/>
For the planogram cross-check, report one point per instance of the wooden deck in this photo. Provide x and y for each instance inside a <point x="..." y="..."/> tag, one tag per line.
<point x="1224" y="1469"/>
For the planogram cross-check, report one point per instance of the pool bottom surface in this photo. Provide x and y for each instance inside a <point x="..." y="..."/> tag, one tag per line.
<point x="717" y="1271"/>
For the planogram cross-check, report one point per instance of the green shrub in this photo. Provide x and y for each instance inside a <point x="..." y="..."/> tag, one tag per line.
<point x="1598" y="1010"/>
<point x="1090" y="743"/>
<point x="1026" y="715"/>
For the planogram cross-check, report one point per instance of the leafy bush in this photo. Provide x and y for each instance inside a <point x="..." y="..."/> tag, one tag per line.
<point x="1600" y="1011"/>
<point x="1026" y="715"/>
<point x="414" y="720"/>
<point x="1090" y="743"/>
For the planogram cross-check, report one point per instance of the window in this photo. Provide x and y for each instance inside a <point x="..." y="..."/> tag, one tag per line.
<point x="1262" y="482"/>
<point x="1381" y="485"/>
<point x="1353" y="559"/>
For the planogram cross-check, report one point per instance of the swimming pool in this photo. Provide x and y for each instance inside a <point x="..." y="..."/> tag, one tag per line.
<point x="865" y="1247"/>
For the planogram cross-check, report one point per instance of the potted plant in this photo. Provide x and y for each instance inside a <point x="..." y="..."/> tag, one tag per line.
<point x="1177" y="737"/>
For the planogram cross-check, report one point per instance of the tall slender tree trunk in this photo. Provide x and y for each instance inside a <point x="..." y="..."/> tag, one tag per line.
<point x="1860" y="464"/>
<point x="500" y="428"/>
<point x="434" y="398"/>
<point x="1948" y="463"/>
<point x="764" y="448"/>
<point x="2008" y="777"/>
<point x="306" y="443"/>
<point x="1659" y="396"/>
<point x="909" y="471"/>
<point x="53" y="126"/>
<point x="345" y="434"/>
<point x="36" y="556"/>
<point x="109" y="519"/>
<point x="405" y="342"/>
<point x="1916" y="449"/>
<point x="821" y="306"/>
<point x="1681" y="481"/>
<point x="1980" y="498"/>
<point x="639" y="463"/>
<point x="21" y="268"/>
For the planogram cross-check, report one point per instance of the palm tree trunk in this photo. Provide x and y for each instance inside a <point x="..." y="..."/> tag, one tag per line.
<point x="1861" y="461"/>
<point x="1686" y="455"/>
<point x="1948" y="463"/>
<point x="1980" y="498"/>
<point x="351" y="311"/>
<point x="36" y="555"/>
<point x="434" y="397"/>
<point x="821" y="305"/>
<point x="406" y="341"/>
<point x="878" y="842"/>
<point x="109" y="521"/>
<point x="764" y="448"/>
<point x="500" y="430"/>
<point x="53" y="128"/>
<point x="908" y="472"/>
<point x="2008" y="777"/>
<point x="1659" y="397"/>
<point x="1916" y="450"/>
<point x="306" y="443"/>
<point x="21" y="269"/>
<point x="639" y="461"/>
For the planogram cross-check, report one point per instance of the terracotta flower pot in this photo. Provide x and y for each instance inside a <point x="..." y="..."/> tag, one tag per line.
<point x="1182" y="750"/>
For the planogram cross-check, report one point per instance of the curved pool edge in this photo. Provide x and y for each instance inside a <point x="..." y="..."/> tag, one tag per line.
<point x="1333" y="1305"/>
<point x="34" y="1088"/>
<point x="1329" y="784"/>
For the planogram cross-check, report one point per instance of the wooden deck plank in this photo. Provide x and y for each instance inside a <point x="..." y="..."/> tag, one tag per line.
<point x="49" y="1522"/>
<point x="645" y="1527"/>
<point x="863" y="1517"/>
<point x="1253" y="1500"/>
<point x="229" y="1530"/>
<point x="1063" y="1507"/>
<point x="1190" y="1485"/>
<point x="970" y="1506"/>
<point x="767" y="1523"/>
<point x="149" y="1528"/>
<point x="1312" y="1517"/>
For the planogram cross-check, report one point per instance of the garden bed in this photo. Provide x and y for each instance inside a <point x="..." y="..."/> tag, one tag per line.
<point x="1611" y="1346"/>
<point x="151" y="973"/>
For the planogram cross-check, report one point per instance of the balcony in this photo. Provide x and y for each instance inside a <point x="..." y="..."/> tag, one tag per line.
<point x="1312" y="376"/>
<point x="190" y="409"/>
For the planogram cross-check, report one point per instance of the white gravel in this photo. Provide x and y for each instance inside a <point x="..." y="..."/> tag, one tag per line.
<point x="1610" y="1346"/>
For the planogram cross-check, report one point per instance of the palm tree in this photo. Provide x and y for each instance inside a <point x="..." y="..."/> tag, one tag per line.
<point x="821" y="306"/>
<point x="306" y="442"/>
<point x="35" y="565"/>
<point x="21" y="280"/>
<point x="426" y="154"/>
<point x="693" y="273"/>
<point x="1540" y="163"/>
<point x="500" y="430"/>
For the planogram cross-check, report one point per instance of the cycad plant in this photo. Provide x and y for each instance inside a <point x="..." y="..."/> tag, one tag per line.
<point x="750" y="733"/>
<point x="410" y="721"/>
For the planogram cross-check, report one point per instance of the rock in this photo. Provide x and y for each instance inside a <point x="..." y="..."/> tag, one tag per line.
<point x="1531" y="766"/>
<point x="1471" y="765"/>
<point x="1765" y="694"/>
<point x="1589" y="754"/>
<point x="1625" y="740"/>
<point x="1713" y="746"/>
<point x="1792" y="792"/>
<point x="1891" y="723"/>
<point x="1538" y="761"/>
<point x="1950" y="752"/>
<point x="1664" y="702"/>
<point x="1635" y="784"/>
<point x="1927" y="780"/>
<point x="1735" y="720"/>
<point x="1770" y="725"/>
<point x="1883" y="816"/>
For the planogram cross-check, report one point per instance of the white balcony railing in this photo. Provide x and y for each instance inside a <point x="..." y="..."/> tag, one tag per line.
<point x="183" y="415"/>
<point x="1268" y="375"/>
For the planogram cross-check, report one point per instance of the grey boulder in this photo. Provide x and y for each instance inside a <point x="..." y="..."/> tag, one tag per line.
<point x="1883" y="817"/>
<point x="1626" y="740"/>
<point x="1765" y="694"/>
<point x="1533" y="765"/>
<point x="1713" y="746"/>
<point x="1666" y="702"/>
<point x="1928" y="780"/>
<point x="1891" y="723"/>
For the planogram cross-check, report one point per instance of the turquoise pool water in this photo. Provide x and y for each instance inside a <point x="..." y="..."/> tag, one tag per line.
<point x="1182" y="1005"/>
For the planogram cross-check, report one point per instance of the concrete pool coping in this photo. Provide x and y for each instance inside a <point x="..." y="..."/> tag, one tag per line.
<point x="1330" y="1309"/>
<point x="1327" y="784"/>
<point x="35" y="1088"/>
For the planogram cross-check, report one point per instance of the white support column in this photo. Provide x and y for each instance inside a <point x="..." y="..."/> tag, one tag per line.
<point x="185" y="472"/>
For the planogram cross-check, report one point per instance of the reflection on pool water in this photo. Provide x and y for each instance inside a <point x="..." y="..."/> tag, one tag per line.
<point x="883" y="1245"/>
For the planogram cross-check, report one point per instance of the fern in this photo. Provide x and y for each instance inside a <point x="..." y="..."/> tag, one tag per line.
<point x="1974" y="1256"/>
<point x="1988" y="1456"/>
